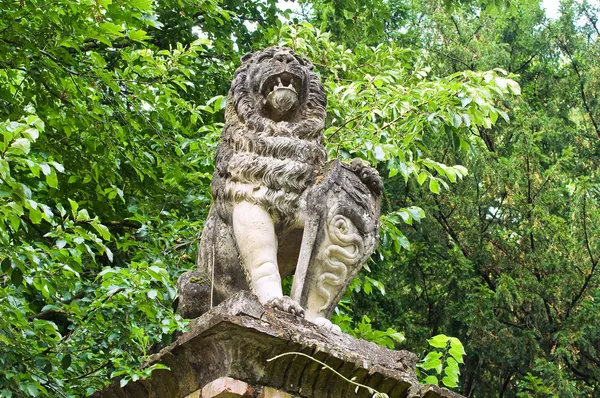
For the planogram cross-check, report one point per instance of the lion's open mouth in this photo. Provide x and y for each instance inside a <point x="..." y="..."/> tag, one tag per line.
<point x="285" y="80"/>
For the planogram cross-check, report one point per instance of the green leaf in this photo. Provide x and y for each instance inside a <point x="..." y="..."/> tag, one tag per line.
<point x="461" y="169"/>
<point x="397" y="336"/>
<point x="83" y="215"/>
<point x="106" y="271"/>
<point x="142" y="5"/>
<point x="217" y="102"/>
<point x="16" y="277"/>
<point x="402" y="241"/>
<point x="439" y="341"/>
<point x="52" y="179"/>
<point x="456" y="120"/>
<point x="514" y="86"/>
<point x="31" y="389"/>
<point x="109" y="254"/>
<point x="111" y="28"/>
<point x="15" y="221"/>
<point x="32" y="134"/>
<point x="434" y="185"/>
<point x="35" y="215"/>
<point x="4" y="168"/>
<point x="416" y="213"/>
<point x="431" y="380"/>
<point x="456" y="354"/>
<point x="449" y="382"/>
<point x="137" y="35"/>
<point x="6" y="265"/>
<point x="456" y="343"/>
<point x="66" y="361"/>
<point x="451" y="174"/>
<point x="102" y="230"/>
<point x="431" y="361"/>
<point x="451" y="366"/>
<point x="45" y="168"/>
<point x="74" y="207"/>
<point x="20" y="146"/>
<point x="59" y="167"/>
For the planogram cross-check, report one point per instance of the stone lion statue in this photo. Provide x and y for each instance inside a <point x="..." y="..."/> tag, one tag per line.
<point x="278" y="207"/>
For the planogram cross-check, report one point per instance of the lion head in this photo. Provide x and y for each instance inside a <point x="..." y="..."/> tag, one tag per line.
<point x="272" y="143"/>
<point x="278" y="85"/>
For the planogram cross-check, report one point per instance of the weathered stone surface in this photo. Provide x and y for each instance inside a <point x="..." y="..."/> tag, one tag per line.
<point x="279" y="208"/>
<point x="195" y="394"/>
<point x="236" y="338"/>
<point x="193" y="288"/>
<point x="270" y="392"/>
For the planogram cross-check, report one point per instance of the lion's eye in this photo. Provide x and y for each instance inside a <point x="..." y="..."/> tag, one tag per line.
<point x="264" y="57"/>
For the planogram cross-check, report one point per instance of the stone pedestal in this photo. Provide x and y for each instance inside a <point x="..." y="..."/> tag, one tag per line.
<point x="225" y="354"/>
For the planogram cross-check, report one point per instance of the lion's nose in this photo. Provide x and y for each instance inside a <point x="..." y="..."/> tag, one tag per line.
<point x="284" y="56"/>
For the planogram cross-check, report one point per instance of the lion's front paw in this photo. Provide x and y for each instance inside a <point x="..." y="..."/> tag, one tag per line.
<point x="327" y="325"/>
<point x="368" y="175"/>
<point x="286" y="304"/>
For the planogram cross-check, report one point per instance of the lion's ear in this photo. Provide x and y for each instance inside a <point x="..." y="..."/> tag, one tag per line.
<point x="246" y="57"/>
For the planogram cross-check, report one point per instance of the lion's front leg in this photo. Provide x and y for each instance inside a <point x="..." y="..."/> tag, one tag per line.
<point x="254" y="232"/>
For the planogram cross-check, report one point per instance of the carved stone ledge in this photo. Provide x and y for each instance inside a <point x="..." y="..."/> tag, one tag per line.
<point x="235" y="339"/>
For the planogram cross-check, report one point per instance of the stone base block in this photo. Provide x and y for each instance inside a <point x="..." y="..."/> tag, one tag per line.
<point x="227" y="353"/>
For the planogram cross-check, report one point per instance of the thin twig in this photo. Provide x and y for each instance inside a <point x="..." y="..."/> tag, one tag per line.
<point x="385" y="126"/>
<point x="344" y="125"/>
<point x="91" y="372"/>
<point x="370" y="389"/>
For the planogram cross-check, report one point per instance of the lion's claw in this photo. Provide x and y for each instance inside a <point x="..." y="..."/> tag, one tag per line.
<point x="368" y="175"/>
<point x="286" y="304"/>
<point x="327" y="325"/>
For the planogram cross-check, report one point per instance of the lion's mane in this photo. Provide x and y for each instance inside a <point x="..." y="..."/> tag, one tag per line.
<point x="263" y="161"/>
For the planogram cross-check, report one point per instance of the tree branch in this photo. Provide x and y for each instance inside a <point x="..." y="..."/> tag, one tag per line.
<point x="594" y="262"/>
<point x="439" y="216"/>
<point x="524" y="64"/>
<point x="581" y="86"/>
<point x="90" y="372"/>
<point x="47" y="314"/>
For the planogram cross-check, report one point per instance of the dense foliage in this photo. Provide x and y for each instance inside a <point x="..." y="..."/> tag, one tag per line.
<point x="110" y="112"/>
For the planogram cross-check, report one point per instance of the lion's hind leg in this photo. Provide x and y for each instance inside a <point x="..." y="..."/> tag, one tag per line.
<point x="219" y="273"/>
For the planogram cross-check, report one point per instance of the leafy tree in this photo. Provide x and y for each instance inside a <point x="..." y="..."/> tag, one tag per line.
<point x="506" y="260"/>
